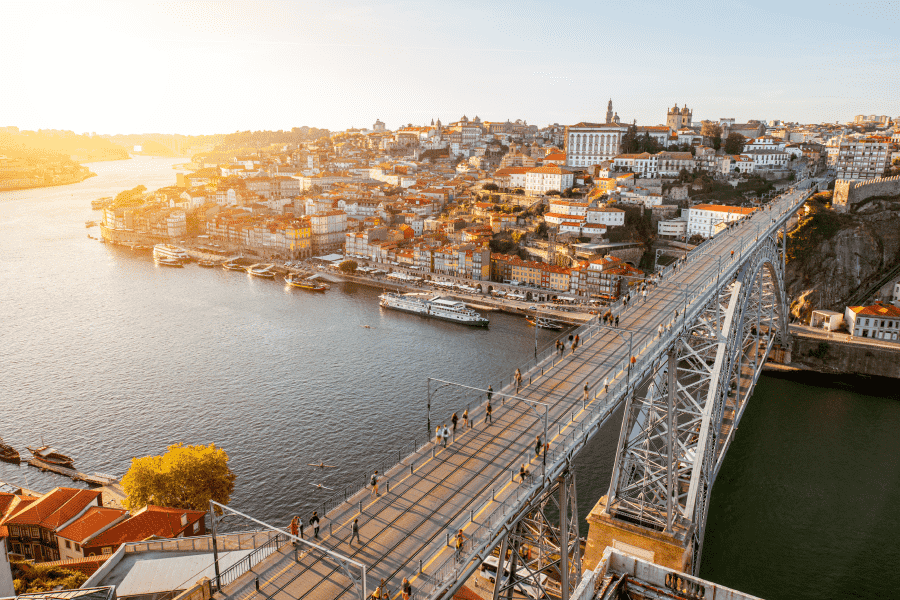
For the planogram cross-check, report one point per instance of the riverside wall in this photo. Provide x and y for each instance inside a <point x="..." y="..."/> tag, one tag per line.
<point x="843" y="355"/>
<point x="848" y="192"/>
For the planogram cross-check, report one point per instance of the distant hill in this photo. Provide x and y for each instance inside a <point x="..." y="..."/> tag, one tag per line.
<point x="56" y="145"/>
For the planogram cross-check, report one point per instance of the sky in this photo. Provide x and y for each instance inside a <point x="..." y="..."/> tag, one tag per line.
<point x="219" y="67"/>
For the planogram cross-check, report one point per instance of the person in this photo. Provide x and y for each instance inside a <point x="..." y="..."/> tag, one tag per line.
<point x="446" y="435"/>
<point x="575" y="342"/>
<point x="375" y="483"/>
<point x="606" y="384"/>
<point x="559" y="347"/>
<point x="676" y="314"/>
<point x="454" y="419"/>
<point x="586" y="393"/>
<point x="488" y="418"/>
<point x="490" y="393"/>
<point x="537" y="446"/>
<point x="518" y="380"/>
<point x="617" y="320"/>
<point x="466" y="423"/>
<point x="523" y="473"/>
<point x="732" y="255"/>
<point x="406" y="588"/>
<point x="437" y="434"/>
<point x="354" y="531"/>
<point x="294" y="528"/>
<point x="660" y="330"/>
<point x="314" y="522"/>
<point x="380" y="591"/>
<point x="644" y="294"/>
<point x="460" y="540"/>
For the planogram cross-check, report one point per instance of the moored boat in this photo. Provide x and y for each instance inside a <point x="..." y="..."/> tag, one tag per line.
<point x="232" y="266"/>
<point x="544" y="323"/>
<point x="170" y="251"/>
<point x="101" y="203"/>
<point x="169" y="262"/>
<point x="260" y="270"/>
<point x="305" y="283"/>
<point x="207" y="263"/>
<point x="8" y="453"/>
<point x="435" y="306"/>
<point x="51" y="456"/>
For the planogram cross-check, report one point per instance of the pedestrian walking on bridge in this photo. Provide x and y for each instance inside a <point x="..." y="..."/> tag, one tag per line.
<point x="523" y="473"/>
<point x="406" y="588"/>
<point x="374" y="482"/>
<point x="460" y="539"/>
<point x="490" y="392"/>
<point x="537" y="446"/>
<point x="294" y="528"/>
<point x="487" y="413"/>
<point x="518" y="377"/>
<point x="466" y="423"/>
<point x="446" y="435"/>
<point x="617" y="320"/>
<point x="454" y="419"/>
<point x="354" y="531"/>
<point x="605" y="384"/>
<point x="660" y="330"/>
<point x="314" y="523"/>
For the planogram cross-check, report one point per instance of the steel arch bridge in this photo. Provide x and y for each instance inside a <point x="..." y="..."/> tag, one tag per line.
<point x="683" y="365"/>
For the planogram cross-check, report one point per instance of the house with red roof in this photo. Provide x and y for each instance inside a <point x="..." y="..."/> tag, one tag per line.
<point x="149" y="522"/>
<point x="31" y="526"/>
<point x="72" y="536"/>
<point x="880" y="321"/>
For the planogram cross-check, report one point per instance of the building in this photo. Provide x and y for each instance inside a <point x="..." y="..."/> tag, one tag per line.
<point x="148" y="522"/>
<point x="703" y="218"/>
<point x="540" y="180"/>
<point x="879" y="321"/>
<point x="643" y="165"/>
<point x="32" y="525"/>
<point x="510" y="177"/>
<point x="674" y="228"/>
<point x="677" y="119"/>
<point x="603" y="279"/>
<point x="605" y="215"/>
<point x="73" y="536"/>
<point x="328" y="229"/>
<point x="863" y="158"/>
<point x="589" y="144"/>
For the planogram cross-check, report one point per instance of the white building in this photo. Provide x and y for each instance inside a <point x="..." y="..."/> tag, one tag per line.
<point x="643" y="165"/>
<point x="541" y="180"/>
<point x="606" y="215"/>
<point x="568" y="207"/>
<point x="327" y="229"/>
<point x="670" y="164"/>
<point x="675" y="228"/>
<point x="592" y="143"/>
<point x="703" y="218"/>
<point x="879" y="321"/>
<point x="765" y="160"/>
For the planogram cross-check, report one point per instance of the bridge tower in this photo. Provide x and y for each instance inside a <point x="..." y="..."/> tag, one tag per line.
<point x="679" y="422"/>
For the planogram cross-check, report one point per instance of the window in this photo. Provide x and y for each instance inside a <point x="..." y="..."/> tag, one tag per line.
<point x="107" y="550"/>
<point x="77" y="548"/>
<point x="68" y="545"/>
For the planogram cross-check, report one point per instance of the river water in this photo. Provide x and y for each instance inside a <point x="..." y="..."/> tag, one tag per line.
<point x="108" y="356"/>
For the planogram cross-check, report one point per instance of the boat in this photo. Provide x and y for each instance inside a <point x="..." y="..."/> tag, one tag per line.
<point x="169" y="262"/>
<point x="8" y="453"/>
<point x="232" y="266"/>
<point x="49" y="455"/>
<point x="544" y="323"/>
<point x="434" y="306"/>
<point x="305" y="283"/>
<point x="101" y="203"/>
<point x="207" y="263"/>
<point x="260" y="270"/>
<point x="170" y="251"/>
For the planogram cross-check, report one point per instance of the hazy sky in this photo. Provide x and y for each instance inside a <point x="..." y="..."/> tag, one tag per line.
<point x="218" y="67"/>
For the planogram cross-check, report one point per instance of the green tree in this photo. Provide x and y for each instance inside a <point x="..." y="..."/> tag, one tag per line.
<point x="491" y="187"/>
<point x="734" y="143"/>
<point x="41" y="578"/>
<point x="629" y="143"/>
<point x="348" y="266"/>
<point x="183" y="477"/>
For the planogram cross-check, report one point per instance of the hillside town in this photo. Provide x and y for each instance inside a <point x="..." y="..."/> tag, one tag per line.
<point x="580" y="211"/>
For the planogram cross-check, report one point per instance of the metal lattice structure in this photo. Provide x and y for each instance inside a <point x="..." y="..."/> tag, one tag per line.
<point x="675" y="435"/>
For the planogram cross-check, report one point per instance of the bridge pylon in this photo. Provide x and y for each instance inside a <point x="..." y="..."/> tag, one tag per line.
<point x="680" y="420"/>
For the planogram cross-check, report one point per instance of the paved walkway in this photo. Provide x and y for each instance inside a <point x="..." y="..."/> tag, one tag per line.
<point x="439" y="490"/>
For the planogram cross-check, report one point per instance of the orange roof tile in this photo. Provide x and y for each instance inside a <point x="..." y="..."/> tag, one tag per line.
<point x="148" y="522"/>
<point x="877" y="310"/>
<point x="95" y="519"/>
<point x="54" y="508"/>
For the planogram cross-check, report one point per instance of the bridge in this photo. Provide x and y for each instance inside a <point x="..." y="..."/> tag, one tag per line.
<point x="683" y="363"/>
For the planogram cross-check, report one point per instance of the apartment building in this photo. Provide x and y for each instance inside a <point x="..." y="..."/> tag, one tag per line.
<point x="879" y="321"/>
<point x="863" y="158"/>
<point x="703" y="218"/>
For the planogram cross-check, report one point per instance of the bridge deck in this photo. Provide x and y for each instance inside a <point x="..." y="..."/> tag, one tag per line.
<point x="446" y="488"/>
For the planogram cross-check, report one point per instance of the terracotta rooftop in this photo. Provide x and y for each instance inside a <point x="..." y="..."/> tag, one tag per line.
<point x="877" y="310"/>
<point x="148" y="522"/>
<point x="95" y="519"/>
<point x="54" y="508"/>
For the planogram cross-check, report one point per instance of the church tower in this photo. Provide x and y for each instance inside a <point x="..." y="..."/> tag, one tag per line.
<point x="609" y="112"/>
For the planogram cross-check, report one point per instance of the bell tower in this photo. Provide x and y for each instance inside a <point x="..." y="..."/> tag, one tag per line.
<point x="609" y="112"/>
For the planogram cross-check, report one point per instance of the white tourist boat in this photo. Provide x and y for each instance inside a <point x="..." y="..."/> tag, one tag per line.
<point x="170" y="252"/>
<point x="434" y="306"/>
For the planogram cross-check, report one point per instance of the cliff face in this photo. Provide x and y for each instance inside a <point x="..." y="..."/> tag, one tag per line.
<point x="864" y="247"/>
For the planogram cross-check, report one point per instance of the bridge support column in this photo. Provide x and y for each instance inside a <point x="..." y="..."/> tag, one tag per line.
<point x="671" y="550"/>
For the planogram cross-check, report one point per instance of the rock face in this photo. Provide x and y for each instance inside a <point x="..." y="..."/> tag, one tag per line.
<point x="851" y="261"/>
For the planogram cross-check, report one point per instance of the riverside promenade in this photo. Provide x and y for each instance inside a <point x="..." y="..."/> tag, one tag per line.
<point x="472" y="485"/>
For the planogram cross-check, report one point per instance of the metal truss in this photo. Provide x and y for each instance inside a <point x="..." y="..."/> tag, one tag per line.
<point x="678" y="426"/>
<point x="541" y="556"/>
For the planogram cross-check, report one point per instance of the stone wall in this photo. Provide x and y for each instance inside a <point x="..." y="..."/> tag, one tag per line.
<point x="848" y="192"/>
<point x="839" y="356"/>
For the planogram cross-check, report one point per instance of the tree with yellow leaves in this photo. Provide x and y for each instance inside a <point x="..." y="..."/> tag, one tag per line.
<point x="183" y="477"/>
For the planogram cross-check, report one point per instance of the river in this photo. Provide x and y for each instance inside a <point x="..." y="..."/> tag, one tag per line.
<point x="108" y="356"/>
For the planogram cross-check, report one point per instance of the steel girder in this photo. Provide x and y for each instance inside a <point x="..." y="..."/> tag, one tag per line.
<point x="678" y="425"/>
<point x="543" y="547"/>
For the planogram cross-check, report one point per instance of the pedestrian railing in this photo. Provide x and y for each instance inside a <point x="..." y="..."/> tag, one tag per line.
<point x="245" y="564"/>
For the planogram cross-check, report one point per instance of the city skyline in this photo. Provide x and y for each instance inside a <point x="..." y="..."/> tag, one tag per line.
<point x="201" y="68"/>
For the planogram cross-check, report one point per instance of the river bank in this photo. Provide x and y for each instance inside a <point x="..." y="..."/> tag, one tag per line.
<point x="73" y="180"/>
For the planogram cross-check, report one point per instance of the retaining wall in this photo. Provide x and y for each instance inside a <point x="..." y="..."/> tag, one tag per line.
<point x="841" y="356"/>
<point x="852" y="191"/>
